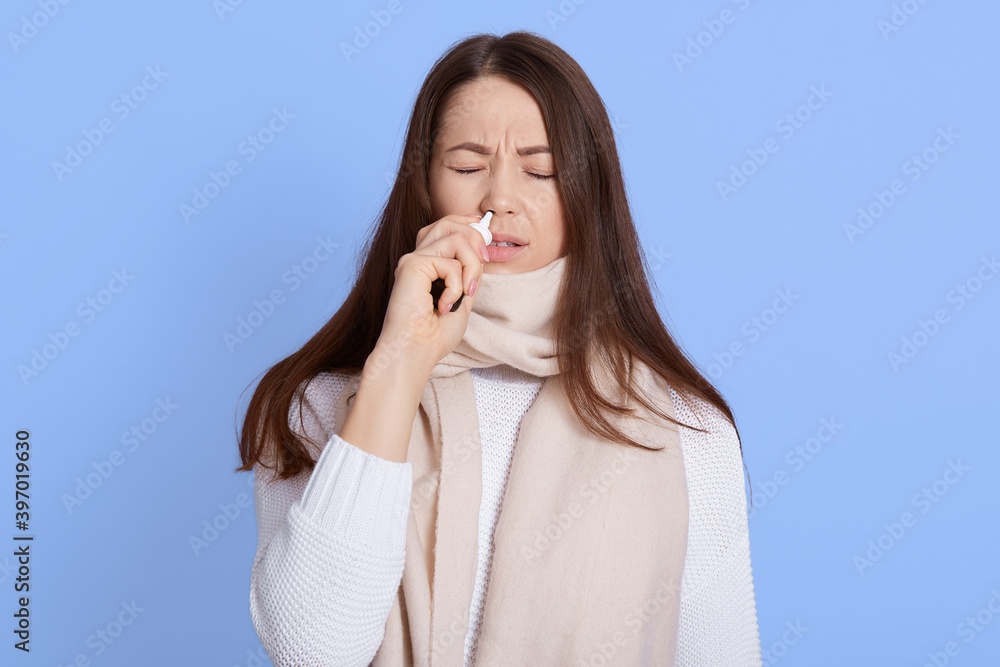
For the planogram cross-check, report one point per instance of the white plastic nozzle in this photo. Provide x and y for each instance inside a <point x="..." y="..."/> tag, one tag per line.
<point x="484" y="227"/>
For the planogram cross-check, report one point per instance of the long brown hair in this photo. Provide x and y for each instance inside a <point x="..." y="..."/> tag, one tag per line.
<point x="607" y="317"/>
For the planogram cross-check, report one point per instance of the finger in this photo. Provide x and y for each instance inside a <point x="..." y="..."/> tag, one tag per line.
<point x="416" y="275"/>
<point x="450" y="271"/>
<point x="470" y="264"/>
<point x="441" y="228"/>
<point x="449" y="225"/>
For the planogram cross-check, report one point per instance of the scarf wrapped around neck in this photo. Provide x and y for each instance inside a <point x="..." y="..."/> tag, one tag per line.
<point x="512" y="322"/>
<point x="589" y="545"/>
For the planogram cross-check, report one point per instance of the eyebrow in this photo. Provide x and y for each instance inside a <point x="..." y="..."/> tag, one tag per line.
<point x="483" y="150"/>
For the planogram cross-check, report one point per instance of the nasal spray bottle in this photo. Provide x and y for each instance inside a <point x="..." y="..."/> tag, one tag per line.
<point x="437" y="287"/>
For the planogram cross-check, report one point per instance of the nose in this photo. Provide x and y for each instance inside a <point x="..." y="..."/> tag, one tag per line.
<point x="503" y="193"/>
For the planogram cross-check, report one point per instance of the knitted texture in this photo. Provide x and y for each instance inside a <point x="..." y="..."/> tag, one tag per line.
<point x="502" y="398"/>
<point x="718" y="615"/>
<point x="331" y="545"/>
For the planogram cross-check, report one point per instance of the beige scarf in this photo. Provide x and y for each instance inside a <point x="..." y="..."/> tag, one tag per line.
<point x="590" y="542"/>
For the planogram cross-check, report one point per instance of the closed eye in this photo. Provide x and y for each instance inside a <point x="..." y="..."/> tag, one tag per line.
<point x="541" y="177"/>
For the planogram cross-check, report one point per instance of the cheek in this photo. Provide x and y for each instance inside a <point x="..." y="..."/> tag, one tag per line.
<point x="557" y="230"/>
<point x="433" y="185"/>
<point x="439" y="196"/>
<point x="550" y="240"/>
<point x="443" y="191"/>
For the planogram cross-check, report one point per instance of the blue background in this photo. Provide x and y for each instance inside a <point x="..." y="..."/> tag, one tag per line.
<point x="718" y="259"/>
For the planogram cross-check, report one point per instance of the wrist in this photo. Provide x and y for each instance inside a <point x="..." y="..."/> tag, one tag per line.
<point x="398" y="366"/>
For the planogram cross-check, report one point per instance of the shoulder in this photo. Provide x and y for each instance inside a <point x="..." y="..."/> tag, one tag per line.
<point x="695" y="413"/>
<point x="718" y="530"/>
<point x="713" y="457"/>
<point x="697" y="416"/>
<point x="314" y="414"/>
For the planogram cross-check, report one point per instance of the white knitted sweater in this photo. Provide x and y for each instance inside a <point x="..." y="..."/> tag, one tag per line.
<point x="331" y="544"/>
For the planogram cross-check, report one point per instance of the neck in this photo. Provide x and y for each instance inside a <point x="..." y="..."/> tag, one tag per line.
<point x="512" y="323"/>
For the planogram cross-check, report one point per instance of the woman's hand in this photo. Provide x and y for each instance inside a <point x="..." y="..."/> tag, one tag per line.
<point x="450" y="249"/>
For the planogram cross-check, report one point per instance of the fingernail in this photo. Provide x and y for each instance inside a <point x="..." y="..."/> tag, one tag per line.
<point x="485" y="253"/>
<point x="446" y="308"/>
<point x="472" y="288"/>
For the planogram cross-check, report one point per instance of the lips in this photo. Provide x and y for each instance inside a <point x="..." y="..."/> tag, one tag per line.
<point x="503" y="253"/>
<point x="504" y="237"/>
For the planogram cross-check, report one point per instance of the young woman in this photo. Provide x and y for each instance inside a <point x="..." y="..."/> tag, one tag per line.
<point x="537" y="475"/>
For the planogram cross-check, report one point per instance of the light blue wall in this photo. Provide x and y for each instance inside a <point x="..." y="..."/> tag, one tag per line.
<point x="168" y="289"/>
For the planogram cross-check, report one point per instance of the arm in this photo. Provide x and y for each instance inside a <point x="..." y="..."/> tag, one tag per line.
<point x="330" y="546"/>
<point x="718" y="614"/>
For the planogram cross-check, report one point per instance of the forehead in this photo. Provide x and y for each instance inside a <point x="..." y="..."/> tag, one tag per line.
<point x="491" y="108"/>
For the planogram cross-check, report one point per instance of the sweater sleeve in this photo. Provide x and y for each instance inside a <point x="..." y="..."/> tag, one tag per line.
<point x="718" y="614"/>
<point x="330" y="545"/>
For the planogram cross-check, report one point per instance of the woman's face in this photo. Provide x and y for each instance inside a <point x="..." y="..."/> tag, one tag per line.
<point x="492" y="154"/>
